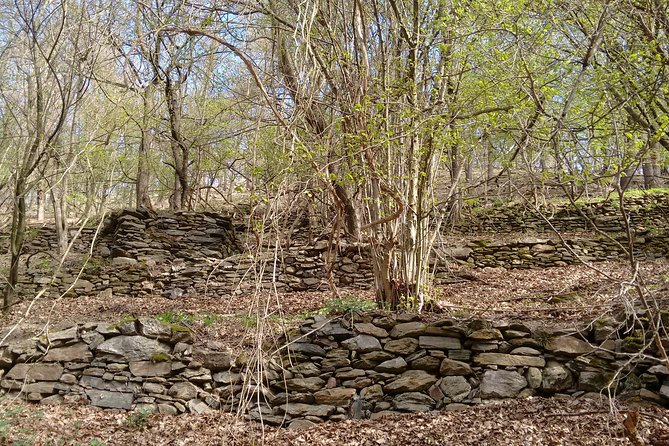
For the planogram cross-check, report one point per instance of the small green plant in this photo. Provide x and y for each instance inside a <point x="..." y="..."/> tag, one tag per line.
<point x="43" y="264"/>
<point x="96" y="442"/>
<point x="210" y="319"/>
<point x="348" y="304"/>
<point x="93" y="265"/>
<point x="138" y="420"/>
<point x="176" y="317"/>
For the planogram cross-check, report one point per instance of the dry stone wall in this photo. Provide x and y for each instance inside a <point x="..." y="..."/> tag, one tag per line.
<point x="644" y="211"/>
<point x="195" y="254"/>
<point x="353" y="367"/>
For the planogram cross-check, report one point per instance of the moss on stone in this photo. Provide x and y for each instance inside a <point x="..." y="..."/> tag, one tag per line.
<point x="160" y="357"/>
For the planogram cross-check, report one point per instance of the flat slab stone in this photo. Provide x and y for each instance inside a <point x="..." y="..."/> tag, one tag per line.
<point x="411" y="381"/>
<point x="133" y="348"/>
<point x="110" y="400"/>
<point x="362" y="343"/>
<point x="338" y="396"/>
<point x="450" y="367"/>
<point x="312" y="384"/>
<point x="153" y="328"/>
<point x="149" y="368"/>
<point x="408" y="329"/>
<point x="302" y="410"/>
<point x="37" y="372"/>
<point x="78" y="352"/>
<point x="404" y="346"/>
<point x="439" y="342"/>
<point x="501" y="384"/>
<point x="509" y="360"/>
<point x="568" y="346"/>
<point x="370" y="329"/>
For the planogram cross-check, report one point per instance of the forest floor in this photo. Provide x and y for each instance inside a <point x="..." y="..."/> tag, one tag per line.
<point x="567" y="297"/>
<point x="533" y="421"/>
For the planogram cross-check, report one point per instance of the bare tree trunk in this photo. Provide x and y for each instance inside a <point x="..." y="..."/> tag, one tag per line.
<point x="180" y="149"/>
<point x="143" y="199"/>
<point x="17" y="236"/>
<point x="40" y="205"/>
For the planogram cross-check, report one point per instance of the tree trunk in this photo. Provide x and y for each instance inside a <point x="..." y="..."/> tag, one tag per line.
<point x="180" y="150"/>
<point x="142" y="198"/>
<point x="40" y="205"/>
<point x="16" y="242"/>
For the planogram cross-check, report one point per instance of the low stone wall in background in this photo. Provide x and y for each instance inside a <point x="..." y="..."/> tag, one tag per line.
<point x="353" y="367"/>
<point x="650" y="211"/>
<point x="191" y="254"/>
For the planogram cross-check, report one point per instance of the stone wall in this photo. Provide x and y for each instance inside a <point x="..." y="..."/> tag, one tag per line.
<point x="534" y="252"/>
<point x="645" y="211"/>
<point x="359" y="367"/>
<point x="191" y="254"/>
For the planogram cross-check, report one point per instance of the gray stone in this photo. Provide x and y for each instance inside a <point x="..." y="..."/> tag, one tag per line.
<point x="534" y="377"/>
<point x="43" y="387"/>
<point x="150" y="368"/>
<point x="455" y="387"/>
<point x="335" y="330"/>
<point x="198" y="406"/>
<point x="183" y="391"/>
<point x="306" y="410"/>
<point x="64" y="335"/>
<point x="408" y="329"/>
<point x="509" y="360"/>
<point x="459" y="253"/>
<point x="93" y="339"/>
<point x="123" y="261"/>
<point x="659" y="370"/>
<point x="154" y="388"/>
<point x="111" y="400"/>
<point x="312" y="384"/>
<point x="594" y="381"/>
<point x="350" y="374"/>
<point x="307" y="349"/>
<point x="410" y="381"/>
<point x="404" y="346"/>
<point x="213" y="360"/>
<point x="556" y="378"/>
<point x="78" y="352"/>
<point x="133" y="348"/>
<point x="396" y="365"/>
<point x="167" y="409"/>
<point x="439" y="343"/>
<point x="337" y="396"/>
<point x="527" y="351"/>
<point x="568" y="346"/>
<point x="501" y="384"/>
<point x="301" y="425"/>
<point x="35" y="372"/>
<point x="372" y="393"/>
<point x="449" y="367"/>
<point x="664" y="391"/>
<point x="53" y="400"/>
<point x="362" y="344"/>
<point x="487" y="334"/>
<point x="153" y="328"/>
<point x="377" y="356"/>
<point x="413" y="402"/>
<point x="370" y="329"/>
<point x="428" y="363"/>
<point x="227" y="377"/>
